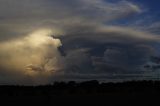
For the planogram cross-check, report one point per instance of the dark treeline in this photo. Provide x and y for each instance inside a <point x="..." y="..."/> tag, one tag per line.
<point x="87" y="87"/>
<point x="90" y="92"/>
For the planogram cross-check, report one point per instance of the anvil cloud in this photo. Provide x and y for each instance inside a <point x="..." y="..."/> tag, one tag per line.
<point x="46" y="40"/>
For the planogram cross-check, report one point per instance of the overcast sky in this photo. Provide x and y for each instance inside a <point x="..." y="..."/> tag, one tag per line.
<point x="109" y="40"/>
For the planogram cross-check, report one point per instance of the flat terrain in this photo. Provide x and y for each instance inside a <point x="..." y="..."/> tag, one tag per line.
<point x="86" y="93"/>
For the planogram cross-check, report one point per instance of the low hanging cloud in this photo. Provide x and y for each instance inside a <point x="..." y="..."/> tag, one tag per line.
<point x="45" y="40"/>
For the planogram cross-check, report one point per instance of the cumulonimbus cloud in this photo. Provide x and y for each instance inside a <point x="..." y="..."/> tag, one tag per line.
<point x="79" y="29"/>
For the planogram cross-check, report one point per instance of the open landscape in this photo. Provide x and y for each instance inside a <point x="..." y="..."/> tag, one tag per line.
<point x="85" y="93"/>
<point x="80" y="52"/>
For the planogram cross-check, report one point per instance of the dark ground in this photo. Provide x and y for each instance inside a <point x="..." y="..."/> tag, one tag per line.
<point x="144" y="93"/>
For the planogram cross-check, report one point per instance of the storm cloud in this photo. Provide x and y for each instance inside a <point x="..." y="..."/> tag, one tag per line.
<point x="46" y="40"/>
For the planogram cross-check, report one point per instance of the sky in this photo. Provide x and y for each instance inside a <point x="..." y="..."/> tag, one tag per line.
<point x="42" y="41"/>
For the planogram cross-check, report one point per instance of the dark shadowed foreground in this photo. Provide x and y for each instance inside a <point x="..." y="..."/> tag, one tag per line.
<point x="88" y="93"/>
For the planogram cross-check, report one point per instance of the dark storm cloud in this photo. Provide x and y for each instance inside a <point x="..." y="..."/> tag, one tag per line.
<point x="84" y="46"/>
<point x="93" y="55"/>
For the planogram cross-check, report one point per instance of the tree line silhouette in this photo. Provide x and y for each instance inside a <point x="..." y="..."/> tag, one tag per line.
<point x="83" y="93"/>
<point x="82" y="88"/>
